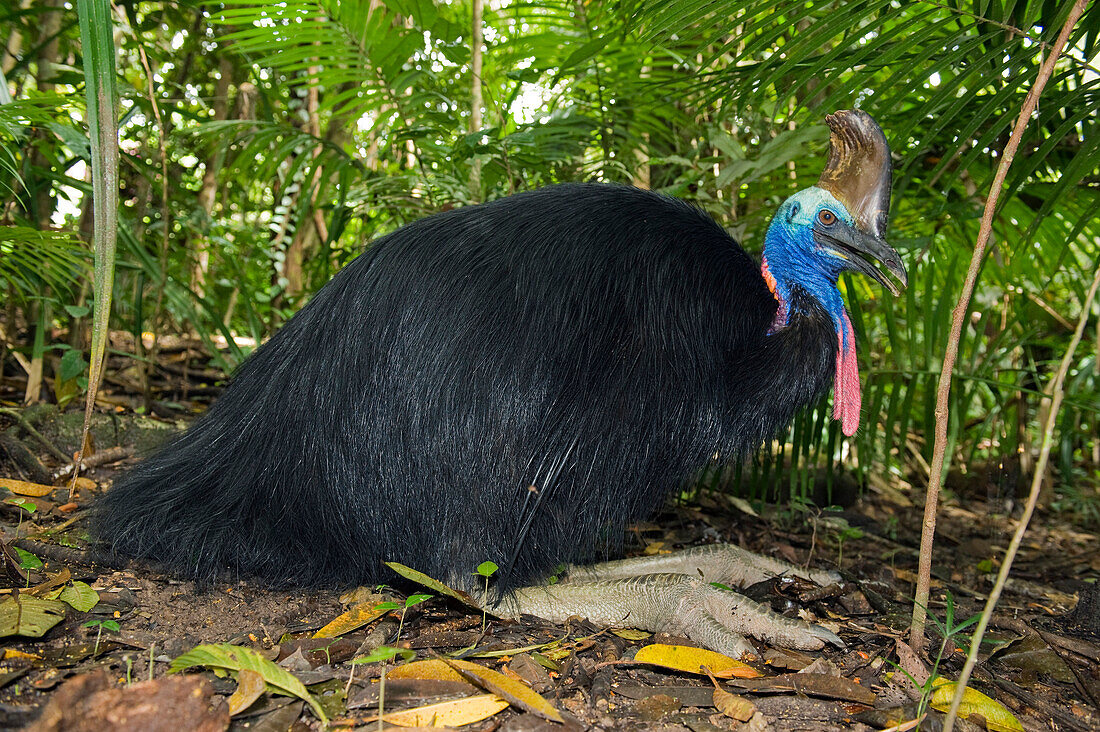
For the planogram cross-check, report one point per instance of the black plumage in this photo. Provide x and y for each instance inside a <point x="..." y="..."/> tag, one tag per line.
<point x="513" y="381"/>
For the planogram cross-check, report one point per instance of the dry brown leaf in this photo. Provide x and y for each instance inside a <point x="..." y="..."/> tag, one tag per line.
<point x="822" y="685"/>
<point x="692" y="660"/>
<point x="453" y="713"/>
<point x="910" y="663"/>
<point x="24" y="488"/>
<point x="250" y="687"/>
<point x="734" y="706"/>
<point x="515" y="692"/>
<point x="432" y="670"/>
<point x="356" y="617"/>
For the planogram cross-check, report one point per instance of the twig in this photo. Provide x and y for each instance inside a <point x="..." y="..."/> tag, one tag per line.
<point x="26" y="425"/>
<point x="1056" y="392"/>
<point x="110" y="455"/>
<point x="958" y="316"/>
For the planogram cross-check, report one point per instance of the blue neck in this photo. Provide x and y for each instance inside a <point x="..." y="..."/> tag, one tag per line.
<point x="787" y="264"/>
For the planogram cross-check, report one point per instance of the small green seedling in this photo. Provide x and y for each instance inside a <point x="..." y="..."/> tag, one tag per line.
<point x="111" y="625"/>
<point x="383" y="653"/>
<point x="843" y="535"/>
<point x="948" y="630"/>
<point x="411" y="601"/>
<point x="25" y="505"/>
<point x="27" y="560"/>
<point x="485" y="569"/>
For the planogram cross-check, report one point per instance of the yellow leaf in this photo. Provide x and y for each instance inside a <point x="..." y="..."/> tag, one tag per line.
<point x="23" y="488"/>
<point x="997" y="716"/>
<point x="453" y="713"/>
<point x="85" y="484"/>
<point x="356" y="617"/>
<point x="11" y="653"/>
<point x="515" y="692"/>
<point x="734" y="706"/>
<point x="250" y="687"/>
<point x="692" y="660"/>
<point x="430" y="670"/>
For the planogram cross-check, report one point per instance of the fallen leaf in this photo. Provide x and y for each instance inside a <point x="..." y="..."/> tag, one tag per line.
<point x="408" y="692"/>
<point x="431" y="670"/>
<point x="997" y="716"/>
<point x="235" y="658"/>
<point x="734" y="706"/>
<point x="47" y="588"/>
<point x="250" y="687"/>
<point x="822" y="685"/>
<point x="911" y="663"/>
<point x="79" y="596"/>
<point x="25" y="488"/>
<point x="692" y="660"/>
<point x="449" y="713"/>
<point x="515" y="692"/>
<point x="631" y="634"/>
<point x="356" y="617"/>
<point x="433" y="584"/>
<point x="12" y="653"/>
<point x="1032" y="653"/>
<point x="85" y="484"/>
<point x="29" y="616"/>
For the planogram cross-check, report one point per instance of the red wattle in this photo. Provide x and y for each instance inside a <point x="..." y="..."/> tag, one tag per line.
<point x="846" y="398"/>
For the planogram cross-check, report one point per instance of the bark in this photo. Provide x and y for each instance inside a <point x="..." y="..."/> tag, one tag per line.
<point x="41" y="190"/>
<point x="208" y="191"/>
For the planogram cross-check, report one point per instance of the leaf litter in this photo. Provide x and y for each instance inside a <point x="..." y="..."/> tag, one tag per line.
<point x="247" y="647"/>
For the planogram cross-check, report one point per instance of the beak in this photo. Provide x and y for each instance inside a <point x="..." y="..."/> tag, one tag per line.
<point x="859" y="249"/>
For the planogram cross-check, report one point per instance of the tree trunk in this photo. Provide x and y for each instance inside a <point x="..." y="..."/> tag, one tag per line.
<point x="209" y="189"/>
<point x="41" y="190"/>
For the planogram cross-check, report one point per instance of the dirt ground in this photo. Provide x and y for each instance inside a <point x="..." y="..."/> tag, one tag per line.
<point x="1040" y="663"/>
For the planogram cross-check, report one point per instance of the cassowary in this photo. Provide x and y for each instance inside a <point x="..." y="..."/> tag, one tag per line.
<point x="516" y="381"/>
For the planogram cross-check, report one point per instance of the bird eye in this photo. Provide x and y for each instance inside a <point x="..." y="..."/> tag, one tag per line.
<point x="826" y="217"/>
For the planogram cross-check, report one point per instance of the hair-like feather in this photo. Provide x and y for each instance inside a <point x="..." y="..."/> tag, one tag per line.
<point x="513" y="382"/>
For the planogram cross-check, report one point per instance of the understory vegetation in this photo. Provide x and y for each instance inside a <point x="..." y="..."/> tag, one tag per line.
<point x="266" y="145"/>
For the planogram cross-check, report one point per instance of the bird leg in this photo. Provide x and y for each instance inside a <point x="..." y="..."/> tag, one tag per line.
<point x="725" y="563"/>
<point x="671" y="594"/>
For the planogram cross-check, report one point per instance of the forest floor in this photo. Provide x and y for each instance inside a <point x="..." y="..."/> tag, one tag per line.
<point x="107" y="667"/>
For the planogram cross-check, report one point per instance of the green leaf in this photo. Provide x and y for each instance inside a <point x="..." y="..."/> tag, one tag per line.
<point x="583" y="54"/>
<point x="97" y="40"/>
<point x="432" y="584"/>
<point x="413" y="600"/>
<point x="28" y="560"/>
<point x="234" y="658"/>
<point x="27" y="505"/>
<point x="384" y="653"/>
<point x="79" y="596"/>
<point x="72" y="365"/>
<point x="487" y="569"/>
<point x="77" y="311"/>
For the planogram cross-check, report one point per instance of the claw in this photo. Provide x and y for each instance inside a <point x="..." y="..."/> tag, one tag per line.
<point x="822" y="633"/>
